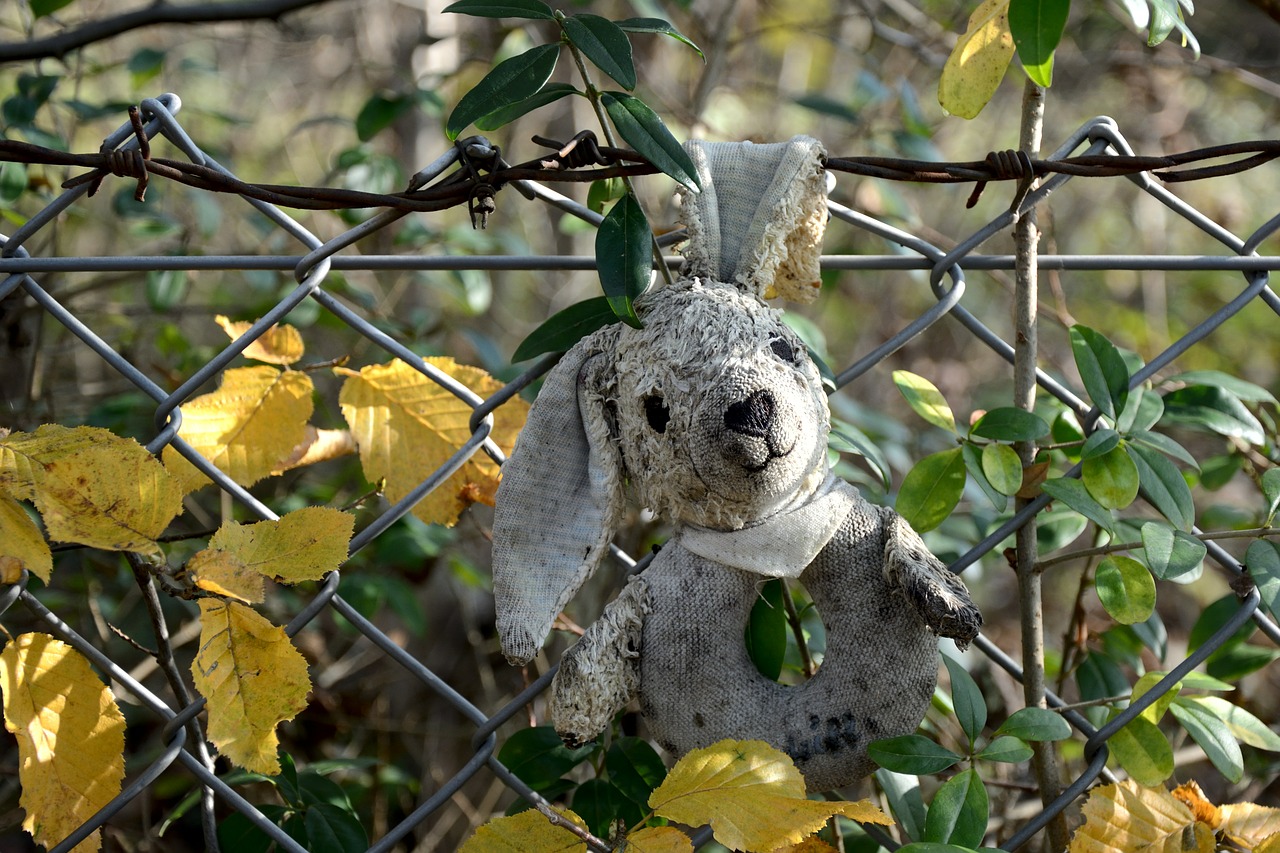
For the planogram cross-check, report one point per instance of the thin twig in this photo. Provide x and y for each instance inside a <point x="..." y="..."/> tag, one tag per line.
<point x="1102" y="550"/>
<point x="797" y="628"/>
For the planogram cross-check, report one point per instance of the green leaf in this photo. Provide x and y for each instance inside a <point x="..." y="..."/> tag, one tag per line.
<point x="601" y="193"/>
<point x="1155" y="711"/>
<point x="1166" y="16"/>
<point x="1002" y="469"/>
<point x="1263" y="561"/>
<point x="1100" y="442"/>
<point x="659" y="27"/>
<point x="1102" y="369"/>
<point x="238" y="833"/>
<point x="538" y="757"/>
<point x="624" y="257"/>
<point x="510" y="82"/>
<point x="503" y="9"/>
<point x="1170" y="553"/>
<point x="1165" y="445"/>
<point x="331" y="829"/>
<point x="1142" y="412"/>
<point x="1037" y="724"/>
<point x="1234" y="663"/>
<point x="925" y="399"/>
<point x="1217" y="471"/>
<point x="634" y="768"/>
<point x="145" y="65"/>
<point x="914" y="754"/>
<point x="378" y="113"/>
<point x="1211" y="409"/>
<point x="932" y="489"/>
<point x="1010" y="424"/>
<point x="970" y="706"/>
<point x="1213" y="618"/>
<point x="565" y="328"/>
<point x="1214" y="738"/>
<point x="1111" y="478"/>
<point x="1271" y="493"/>
<point x="41" y="8"/>
<point x="1037" y="27"/>
<point x="548" y="94"/>
<point x="1163" y="485"/>
<point x="933" y="847"/>
<point x="597" y="802"/>
<point x="605" y="44"/>
<point x="1126" y="589"/>
<point x="644" y="131"/>
<point x="1007" y="749"/>
<point x="905" y="802"/>
<point x="13" y="182"/>
<point x="1143" y="751"/>
<point x="1245" y="727"/>
<point x="844" y="437"/>
<point x="166" y="288"/>
<point x="1074" y="494"/>
<point x="1232" y="384"/>
<point x="767" y="630"/>
<point x="959" y="811"/>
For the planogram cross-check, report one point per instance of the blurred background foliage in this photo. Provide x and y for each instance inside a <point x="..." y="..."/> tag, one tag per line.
<point x="355" y="94"/>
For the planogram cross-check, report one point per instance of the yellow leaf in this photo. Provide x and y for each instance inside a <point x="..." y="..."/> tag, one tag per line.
<point x="317" y="445"/>
<point x="22" y="545"/>
<point x="407" y="426"/>
<point x="1270" y="844"/>
<point x="304" y="545"/>
<point x="1249" y="824"/>
<point x="812" y="844"/>
<point x="978" y="62"/>
<point x="91" y="486"/>
<point x="70" y="737"/>
<point x="752" y="795"/>
<point x="658" y="839"/>
<point x="1128" y="817"/>
<point x="527" y="832"/>
<point x="1194" y="798"/>
<point x="224" y="574"/>
<point x="253" y="677"/>
<point x="255" y="419"/>
<point x="278" y="345"/>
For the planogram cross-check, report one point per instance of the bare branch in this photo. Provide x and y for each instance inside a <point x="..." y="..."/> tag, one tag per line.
<point x="58" y="46"/>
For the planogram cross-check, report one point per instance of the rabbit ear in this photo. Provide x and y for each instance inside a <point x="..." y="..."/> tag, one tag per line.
<point x="559" y="499"/>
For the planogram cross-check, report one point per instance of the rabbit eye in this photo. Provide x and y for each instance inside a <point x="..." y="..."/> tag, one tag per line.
<point x="655" y="411"/>
<point x="783" y="349"/>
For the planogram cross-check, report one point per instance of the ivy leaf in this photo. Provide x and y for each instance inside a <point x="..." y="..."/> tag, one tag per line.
<point x="70" y="736"/>
<point x="913" y="754"/>
<point x="931" y="489"/>
<point x="1037" y="27"/>
<point x="751" y="794"/>
<point x="1007" y="423"/>
<point x="1126" y="589"/>
<point x="978" y="62"/>
<point x="565" y="328"/>
<point x="255" y="419"/>
<point x="254" y="679"/>
<point x="925" y="399"/>
<point x="91" y="486"/>
<point x="644" y="131"/>
<point x="532" y="9"/>
<point x="510" y="82"/>
<point x="1170" y="553"/>
<point x="604" y="43"/>
<point x="959" y="811"/>
<point x="1111" y="478"/>
<point x="624" y="257"/>
<point x="406" y="426"/>
<point x="548" y="94"/>
<point x="1163" y="485"/>
<point x="659" y="27"/>
<point x="1102" y="369"/>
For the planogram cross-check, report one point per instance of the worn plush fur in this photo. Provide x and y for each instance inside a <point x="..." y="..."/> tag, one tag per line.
<point x="715" y="416"/>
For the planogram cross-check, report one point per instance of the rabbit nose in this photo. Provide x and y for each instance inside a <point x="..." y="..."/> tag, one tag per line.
<point x="752" y="416"/>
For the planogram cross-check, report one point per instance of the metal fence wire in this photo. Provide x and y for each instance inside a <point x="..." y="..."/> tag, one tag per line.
<point x="312" y="270"/>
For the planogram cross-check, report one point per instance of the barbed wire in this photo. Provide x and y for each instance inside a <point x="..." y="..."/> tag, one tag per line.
<point x="484" y="172"/>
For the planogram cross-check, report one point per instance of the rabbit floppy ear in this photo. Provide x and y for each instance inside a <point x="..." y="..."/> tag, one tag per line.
<point x="559" y="499"/>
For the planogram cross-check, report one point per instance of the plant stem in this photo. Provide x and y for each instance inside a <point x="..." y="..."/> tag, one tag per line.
<point x="164" y="656"/>
<point x="1070" y="556"/>
<point x="593" y="95"/>
<point x="1026" y="348"/>
<point x="797" y="628"/>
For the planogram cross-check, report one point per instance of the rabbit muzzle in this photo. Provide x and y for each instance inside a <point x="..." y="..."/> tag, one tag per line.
<point x="754" y="433"/>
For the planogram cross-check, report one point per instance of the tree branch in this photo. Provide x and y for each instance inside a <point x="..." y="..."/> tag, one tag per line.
<point x="58" y="46"/>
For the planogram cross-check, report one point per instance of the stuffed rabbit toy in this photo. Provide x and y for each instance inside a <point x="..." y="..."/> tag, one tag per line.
<point x="714" y="416"/>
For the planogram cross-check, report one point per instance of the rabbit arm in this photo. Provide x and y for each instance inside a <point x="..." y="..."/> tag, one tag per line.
<point x="601" y="672"/>
<point x="934" y="591"/>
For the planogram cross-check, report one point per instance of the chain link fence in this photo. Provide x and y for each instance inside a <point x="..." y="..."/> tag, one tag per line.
<point x="472" y="721"/>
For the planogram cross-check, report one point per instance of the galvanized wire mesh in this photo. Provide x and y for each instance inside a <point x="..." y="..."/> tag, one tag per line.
<point x="318" y="259"/>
